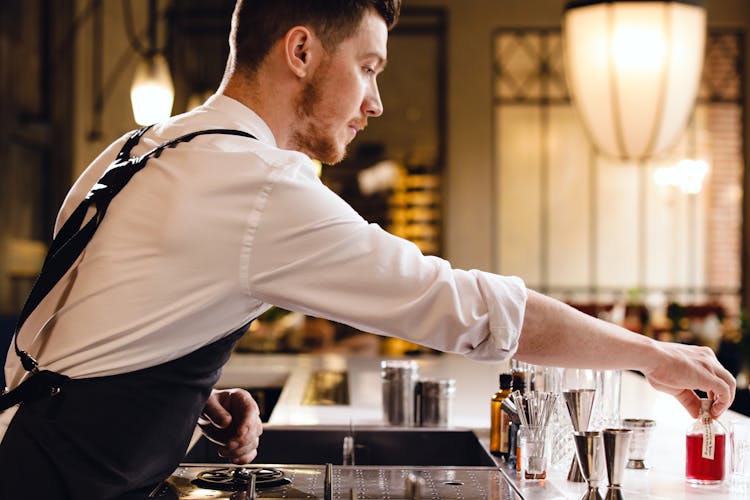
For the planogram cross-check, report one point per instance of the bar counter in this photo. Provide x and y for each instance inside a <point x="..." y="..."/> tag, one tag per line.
<point x="475" y="384"/>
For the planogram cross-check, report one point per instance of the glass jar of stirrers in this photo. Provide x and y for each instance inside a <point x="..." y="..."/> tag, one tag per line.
<point x="534" y="410"/>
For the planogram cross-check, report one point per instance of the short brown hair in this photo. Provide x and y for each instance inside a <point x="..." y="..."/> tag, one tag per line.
<point x="258" y="24"/>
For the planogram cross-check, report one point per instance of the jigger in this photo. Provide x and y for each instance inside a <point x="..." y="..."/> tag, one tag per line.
<point x="616" y="442"/>
<point x="590" y="456"/>
<point x="641" y="428"/>
<point x="580" y="403"/>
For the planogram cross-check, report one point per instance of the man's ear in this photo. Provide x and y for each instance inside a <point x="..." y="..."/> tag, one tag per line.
<point x="298" y="47"/>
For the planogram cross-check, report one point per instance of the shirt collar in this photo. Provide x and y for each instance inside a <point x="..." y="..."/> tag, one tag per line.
<point x="243" y="117"/>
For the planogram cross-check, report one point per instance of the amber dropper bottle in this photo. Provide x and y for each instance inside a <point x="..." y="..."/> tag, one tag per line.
<point x="500" y="421"/>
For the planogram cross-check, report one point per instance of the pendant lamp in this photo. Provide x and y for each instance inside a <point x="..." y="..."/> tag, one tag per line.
<point x="152" y="91"/>
<point x="633" y="68"/>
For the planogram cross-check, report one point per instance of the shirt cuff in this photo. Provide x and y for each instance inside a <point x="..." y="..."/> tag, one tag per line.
<point x="505" y="297"/>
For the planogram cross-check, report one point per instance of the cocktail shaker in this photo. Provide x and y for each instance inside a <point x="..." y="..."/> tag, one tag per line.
<point x="580" y="402"/>
<point x="398" y="379"/>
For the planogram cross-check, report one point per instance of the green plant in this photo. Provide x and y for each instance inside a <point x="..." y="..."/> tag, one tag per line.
<point x="273" y="314"/>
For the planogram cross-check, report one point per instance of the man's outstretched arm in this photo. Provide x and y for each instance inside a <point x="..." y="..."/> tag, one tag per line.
<point x="555" y="334"/>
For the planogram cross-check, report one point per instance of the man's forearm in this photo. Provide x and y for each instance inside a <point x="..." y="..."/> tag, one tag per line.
<point x="555" y="334"/>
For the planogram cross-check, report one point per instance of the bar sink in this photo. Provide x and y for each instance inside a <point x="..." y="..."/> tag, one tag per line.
<point x="372" y="446"/>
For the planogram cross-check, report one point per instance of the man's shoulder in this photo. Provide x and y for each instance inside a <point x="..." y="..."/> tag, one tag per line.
<point x="233" y="149"/>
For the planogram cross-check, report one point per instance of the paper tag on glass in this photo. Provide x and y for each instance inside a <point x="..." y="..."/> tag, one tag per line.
<point x="708" y="442"/>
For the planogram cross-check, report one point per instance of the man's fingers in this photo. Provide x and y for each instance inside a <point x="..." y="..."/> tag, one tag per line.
<point x="243" y="454"/>
<point x="723" y="403"/>
<point x="690" y="401"/>
<point x="215" y="412"/>
<point x="719" y="385"/>
<point x="246" y="458"/>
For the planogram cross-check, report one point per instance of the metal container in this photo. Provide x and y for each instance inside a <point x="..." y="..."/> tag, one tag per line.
<point x="434" y="402"/>
<point x="398" y="380"/>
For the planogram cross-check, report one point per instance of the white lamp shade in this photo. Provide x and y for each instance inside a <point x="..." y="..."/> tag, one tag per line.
<point x="152" y="92"/>
<point x="633" y="69"/>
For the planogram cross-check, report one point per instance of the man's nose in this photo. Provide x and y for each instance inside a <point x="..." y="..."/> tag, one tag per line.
<point x="372" y="105"/>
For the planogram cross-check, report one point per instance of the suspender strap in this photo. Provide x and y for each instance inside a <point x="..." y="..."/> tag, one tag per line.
<point x="72" y="237"/>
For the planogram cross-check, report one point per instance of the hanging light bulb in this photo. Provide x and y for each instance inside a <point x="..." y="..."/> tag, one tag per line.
<point x="687" y="175"/>
<point x="633" y="68"/>
<point x="152" y="91"/>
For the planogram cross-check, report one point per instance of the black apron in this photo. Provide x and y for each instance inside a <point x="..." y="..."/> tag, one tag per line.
<point x="103" y="437"/>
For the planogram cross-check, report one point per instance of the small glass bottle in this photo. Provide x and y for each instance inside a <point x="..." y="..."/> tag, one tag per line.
<point x="705" y="448"/>
<point x="499" y="419"/>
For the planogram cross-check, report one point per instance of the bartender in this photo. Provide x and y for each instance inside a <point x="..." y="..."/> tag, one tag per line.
<point x="178" y="235"/>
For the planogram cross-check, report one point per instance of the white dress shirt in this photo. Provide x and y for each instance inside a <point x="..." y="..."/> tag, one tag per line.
<point x="209" y="235"/>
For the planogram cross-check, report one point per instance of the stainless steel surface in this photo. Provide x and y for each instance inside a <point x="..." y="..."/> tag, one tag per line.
<point x="616" y="443"/>
<point x="155" y="492"/>
<point x="590" y="454"/>
<point x="398" y="379"/>
<point x="308" y="482"/>
<point x="641" y="428"/>
<point x="252" y="494"/>
<point x="434" y="402"/>
<point x="580" y="403"/>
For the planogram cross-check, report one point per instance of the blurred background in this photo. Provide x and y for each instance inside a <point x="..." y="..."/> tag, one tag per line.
<point x="481" y="157"/>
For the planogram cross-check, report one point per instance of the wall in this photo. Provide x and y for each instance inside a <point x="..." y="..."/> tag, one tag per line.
<point x="468" y="202"/>
<point x="118" y="67"/>
<point x="468" y="240"/>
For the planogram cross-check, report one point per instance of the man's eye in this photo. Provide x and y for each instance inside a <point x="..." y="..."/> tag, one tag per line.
<point x="368" y="70"/>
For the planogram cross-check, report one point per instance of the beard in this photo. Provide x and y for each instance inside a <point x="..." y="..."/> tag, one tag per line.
<point x="311" y="137"/>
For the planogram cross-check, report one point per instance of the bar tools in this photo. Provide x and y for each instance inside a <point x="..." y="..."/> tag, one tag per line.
<point x="510" y="408"/>
<point x="534" y="410"/>
<point x="616" y="442"/>
<point x="414" y="486"/>
<point x="590" y="456"/>
<point x="433" y="403"/>
<point x="580" y="403"/>
<point x="398" y="379"/>
<point x="606" y="412"/>
<point x="740" y="447"/>
<point x="641" y="428"/>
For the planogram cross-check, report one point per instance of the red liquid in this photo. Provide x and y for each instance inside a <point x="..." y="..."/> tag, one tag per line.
<point x="703" y="469"/>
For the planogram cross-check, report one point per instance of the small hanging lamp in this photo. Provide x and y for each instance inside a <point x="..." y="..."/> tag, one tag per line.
<point x="152" y="91"/>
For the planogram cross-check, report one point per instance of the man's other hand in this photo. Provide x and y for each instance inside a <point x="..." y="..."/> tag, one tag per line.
<point x="231" y="419"/>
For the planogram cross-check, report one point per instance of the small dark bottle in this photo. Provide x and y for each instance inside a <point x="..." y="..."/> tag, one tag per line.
<point x="519" y="384"/>
<point x="500" y="420"/>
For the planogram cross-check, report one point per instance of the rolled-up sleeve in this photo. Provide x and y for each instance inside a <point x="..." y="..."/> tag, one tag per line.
<point x="311" y="252"/>
<point x="506" y="303"/>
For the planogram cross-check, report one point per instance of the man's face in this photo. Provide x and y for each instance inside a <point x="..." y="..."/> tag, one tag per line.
<point x="342" y="93"/>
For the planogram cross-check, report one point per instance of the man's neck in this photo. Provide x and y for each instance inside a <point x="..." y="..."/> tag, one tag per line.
<point x="271" y="102"/>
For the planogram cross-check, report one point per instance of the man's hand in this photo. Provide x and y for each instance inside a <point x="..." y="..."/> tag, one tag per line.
<point x="231" y="419"/>
<point x="682" y="368"/>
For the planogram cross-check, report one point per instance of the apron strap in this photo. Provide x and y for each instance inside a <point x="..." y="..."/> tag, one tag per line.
<point x="72" y="237"/>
